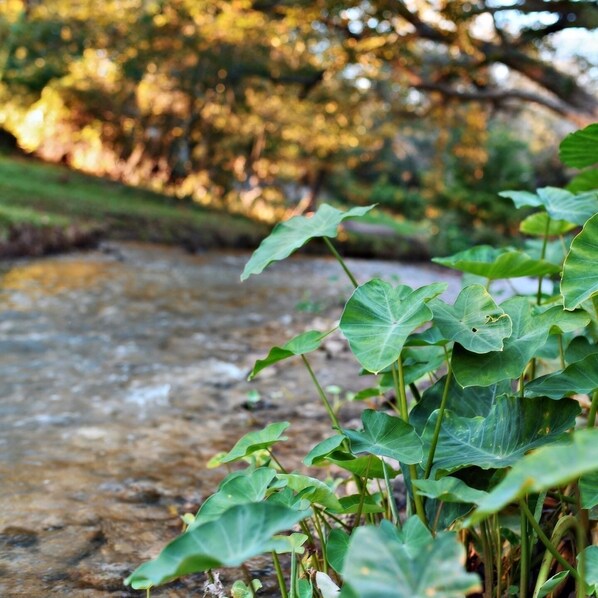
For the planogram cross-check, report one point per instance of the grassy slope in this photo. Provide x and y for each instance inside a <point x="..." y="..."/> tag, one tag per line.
<point x="36" y="194"/>
<point x="45" y="208"/>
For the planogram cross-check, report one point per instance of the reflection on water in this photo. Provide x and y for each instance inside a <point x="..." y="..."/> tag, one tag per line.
<point x="121" y="374"/>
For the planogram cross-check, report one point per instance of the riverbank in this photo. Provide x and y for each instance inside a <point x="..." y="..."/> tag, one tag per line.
<point x="47" y="208"/>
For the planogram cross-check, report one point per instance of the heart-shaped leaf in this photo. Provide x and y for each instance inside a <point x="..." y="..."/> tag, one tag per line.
<point x="540" y="224"/>
<point x="590" y="556"/>
<point x="559" y="204"/>
<point x="300" y="345"/>
<point x="579" y="377"/>
<point x="242" y="532"/>
<point x="386" y="436"/>
<point x="378" y="565"/>
<point x="588" y="486"/>
<point x="378" y="318"/>
<point x="513" y="427"/>
<point x="466" y="402"/>
<point x="474" y="321"/>
<point x="529" y="333"/>
<point x="584" y="181"/>
<point x="494" y="263"/>
<point x="580" y="148"/>
<point x="327" y="452"/>
<point x="255" y="441"/>
<point x="580" y="274"/>
<point x="237" y="490"/>
<point x="546" y="468"/>
<point x="289" y="236"/>
<point x="336" y="548"/>
<point x="312" y="489"/>
<point x="449" y="489"/>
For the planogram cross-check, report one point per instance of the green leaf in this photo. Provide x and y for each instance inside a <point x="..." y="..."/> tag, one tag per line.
<point x="522" y="199"/>
<point x="580" y="148"/>
<point x="370" y="465"/>
<point x="536" y="224"/>
<point x="494" y="263"/>
<point x="238" y="490"/>
<point x="449" y="489"/>
<point x="241" y="590"/>
<point x="475" y="321"/>
<point x="466" y="402"/>
<point x="588" y="486"/>
<point x="312" y="489"/>
<point x="580" y="274"/>
<point x="552" y="583"/>
<point x="584" y="181"/>
<point x="579" y="348"/>
<point x="591" y="569"/>
<point x="354" y="502"/>
<point x="289" y="236"/>
<point x="242" y="532"/>
<point x="579" y="377"/>
<point x="323" y="449"/>
<point x="546" y="468"/>
<point x="513" y="427"/>
<point x="336" y="548"/>
<point x="304" y="588"/>
<point x="291" y="543"/>
<point x="386" y="436"/>
<point x="529" y="333"/>
<point x="555" y="251"/>
<point x="256" y="441"/>
<point x="378" y="565"/>
<point x="300" y="345"/>
<point x="559" y="204"/>
<point x="378" y="318"/>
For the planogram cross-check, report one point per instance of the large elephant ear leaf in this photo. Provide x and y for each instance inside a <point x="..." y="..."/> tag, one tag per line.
<point x="548" y="467"/>
<point x="513" y="427"/>
<point x="580" y="274"/>
<point x="242" y="532"/>
<point x="379" y="564"/>
<point x="289" y="236"/>
<point x="474" y="321"/>
<point x="580" y="149"/>
<point x="495" y="263"/>
<point x="378" y="318"/>
<point x="579" y="377"/>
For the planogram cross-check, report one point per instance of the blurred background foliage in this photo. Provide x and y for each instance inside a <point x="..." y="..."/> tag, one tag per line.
<point x="265" y="107"/>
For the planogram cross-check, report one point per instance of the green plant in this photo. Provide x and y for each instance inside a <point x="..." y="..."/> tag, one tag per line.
<point x="500" y="470"/>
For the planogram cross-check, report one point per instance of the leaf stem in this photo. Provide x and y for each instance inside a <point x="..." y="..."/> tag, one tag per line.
<point x="593" y="410"/>
<point x="390" y="497"/>
<point x="524" y="561"/>
<point x="439" y="418"/>
<point x="542" y="256"/>
<point x="399" y="381"/>
<point x="363" y="493"/>
<point x="322" y="395"/>
<point x="488" y="564"/>
<point x="279" y="575"/>
<point x="525" y="512"/>
<point x="341" y="261"/>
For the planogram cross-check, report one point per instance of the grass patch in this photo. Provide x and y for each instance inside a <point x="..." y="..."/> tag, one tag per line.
<point x="41" y="194"/>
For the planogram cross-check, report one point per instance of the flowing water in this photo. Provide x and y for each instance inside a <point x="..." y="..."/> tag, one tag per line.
<point x="121" y="373"/>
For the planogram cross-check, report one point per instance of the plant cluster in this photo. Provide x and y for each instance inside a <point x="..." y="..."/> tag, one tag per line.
<point x="498" y="456"/>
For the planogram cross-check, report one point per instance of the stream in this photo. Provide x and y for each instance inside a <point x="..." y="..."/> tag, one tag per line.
<point x="122" y="372"/>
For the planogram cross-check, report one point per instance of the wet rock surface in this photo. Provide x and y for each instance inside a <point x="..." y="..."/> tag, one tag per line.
<point x="122" y="374"/>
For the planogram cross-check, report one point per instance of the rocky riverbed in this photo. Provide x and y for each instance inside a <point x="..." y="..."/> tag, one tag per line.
<point x="122" y="372"/>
